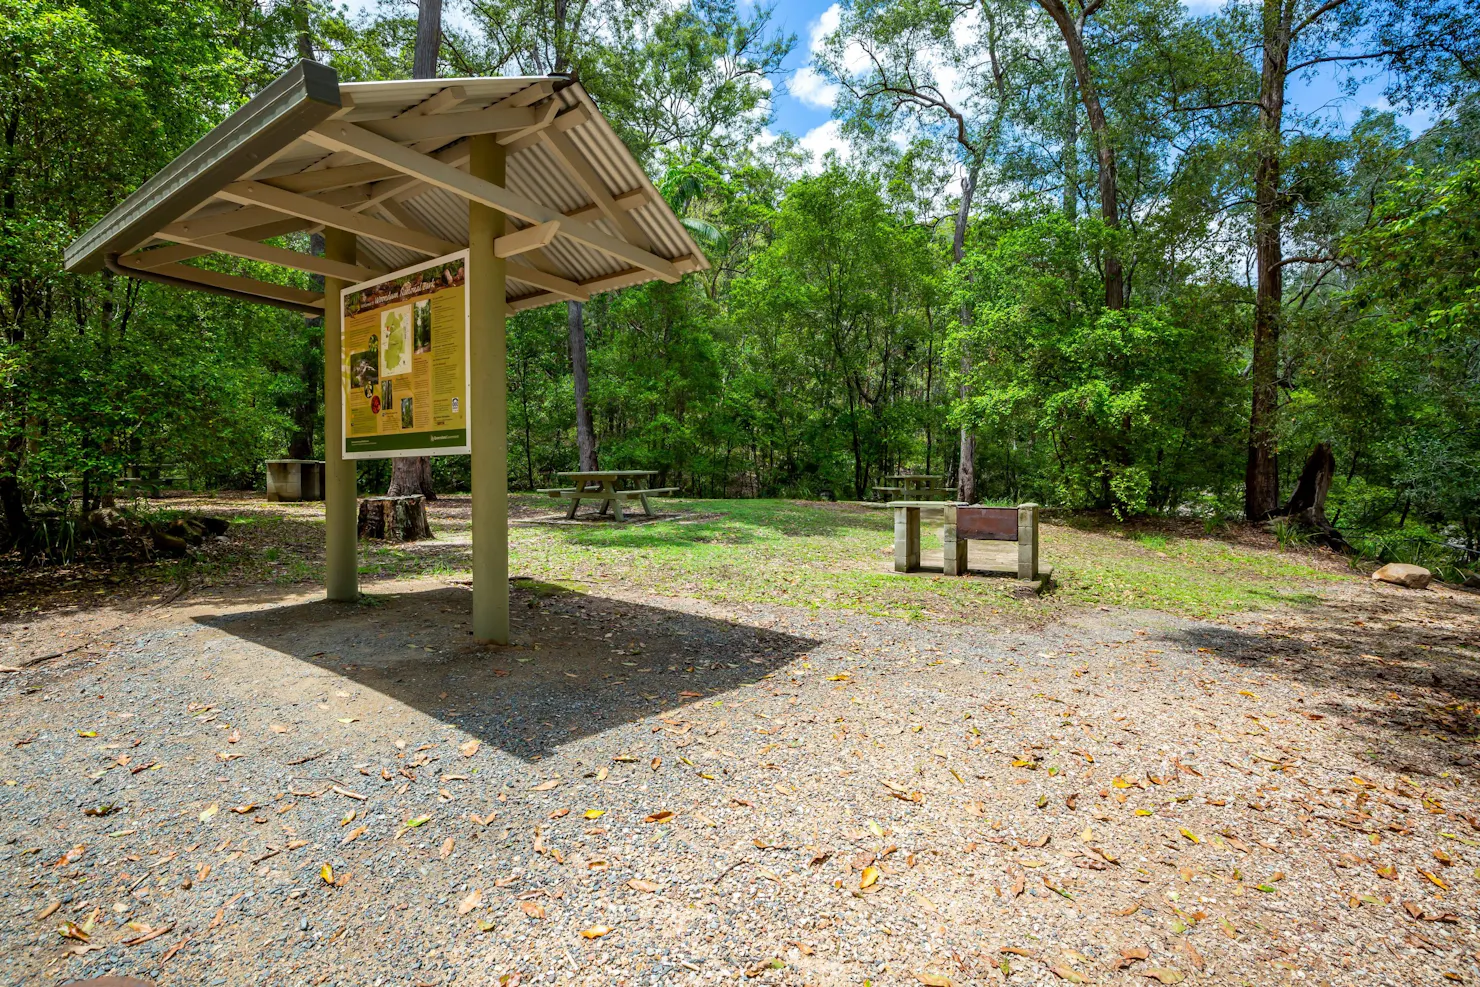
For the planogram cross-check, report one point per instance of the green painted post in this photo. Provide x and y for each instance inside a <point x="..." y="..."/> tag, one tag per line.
<point x="488" y="363"/>
<point x="340" y="564"/>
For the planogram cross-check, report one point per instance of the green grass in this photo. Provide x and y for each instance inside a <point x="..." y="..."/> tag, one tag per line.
<point x="810" y="555"/>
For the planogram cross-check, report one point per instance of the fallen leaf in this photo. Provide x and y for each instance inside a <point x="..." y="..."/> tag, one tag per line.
<point x="636" y="884"/>
<point x="934" y="979"/>
<point x="532" y="909"/>
<point x="208" y="812"/>
<point x="596" y="931"/>
<point x="353" y="835"/>
<point x="446" y="850"/>
<point x="870" y="877"/>
<point x="1068" y="973"/>
<point x="546" y="786"/>
<point x="473" y="900"/>
<point x="469" y="747"/>
<point x="658" y="817"/>
<point x="1165" y="975"/>
<point x="416" y="821"/>
<point x="594" y="813"/>
<point x="327" y="874"/>
<point x="48" y="911"/>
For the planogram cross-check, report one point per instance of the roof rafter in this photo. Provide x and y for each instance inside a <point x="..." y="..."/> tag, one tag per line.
<point x="258" y="194"/>
<point x="338" y="135"/>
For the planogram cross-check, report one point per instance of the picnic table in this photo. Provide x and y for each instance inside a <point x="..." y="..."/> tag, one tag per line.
<point x="916" y="486"/>
<point x="611" y="487"/>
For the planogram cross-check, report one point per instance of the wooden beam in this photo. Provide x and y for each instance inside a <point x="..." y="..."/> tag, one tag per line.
<point x="346" y="136"/>
<point x="240" y="220"/>
<point x="329" y="178"/>
<point x="573" y="117"/>
<point x="567" y="153"/>
<point x="525" y="240"/>
<point x="258" y="194"/>
<point x="550" y="282"/>
<point x="250" y="286"/>
<point x="403" y="216"/>
<point x="438" y="102"/>
<point x="449" y="126"/>
<point x="147" y="259"/>
<point x="635" y="199"/>
<point x="224" y="243"/>
<point x="546" y="116"/>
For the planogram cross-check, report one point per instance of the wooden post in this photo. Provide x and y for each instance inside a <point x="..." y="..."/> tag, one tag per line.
<point x="340" y="562"/>
<point x="953" y="549"/>
<point x="1027" y="541"/>
<point x="906" y="539"/>
<point x="488" y="364"/>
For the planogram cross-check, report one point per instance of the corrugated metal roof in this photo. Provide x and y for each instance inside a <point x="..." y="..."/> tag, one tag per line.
<point x="381" y="192"/>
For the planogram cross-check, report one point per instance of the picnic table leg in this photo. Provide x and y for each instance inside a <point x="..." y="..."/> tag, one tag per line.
<point x="646" y="508"/>
<point x="570" y="512"/>
<point x="616" y="502"/>
<point x="906" y="539"/>
<point x="1027" y="541"/>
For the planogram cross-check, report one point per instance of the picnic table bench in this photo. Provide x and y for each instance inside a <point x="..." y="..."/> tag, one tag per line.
<point x="916" y="486"/>
<point x="608" y="486"/>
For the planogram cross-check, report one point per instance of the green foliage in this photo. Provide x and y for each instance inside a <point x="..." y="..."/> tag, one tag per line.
<point x="1128" y="410"/>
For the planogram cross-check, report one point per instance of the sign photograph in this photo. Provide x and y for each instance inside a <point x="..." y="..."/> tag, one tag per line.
<point x="405" y="373"/>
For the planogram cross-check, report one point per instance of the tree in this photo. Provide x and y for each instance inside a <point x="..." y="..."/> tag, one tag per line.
<point x="1415" y="43"/>
<point x="413" y="474"/>
<point x="890" y="60"/>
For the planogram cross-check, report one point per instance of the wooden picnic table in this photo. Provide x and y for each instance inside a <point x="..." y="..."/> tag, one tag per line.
<point x="916" y="486"/>
<point x="611" y="487"/>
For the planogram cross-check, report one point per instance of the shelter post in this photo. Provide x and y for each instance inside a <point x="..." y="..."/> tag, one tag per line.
<point x="340" y="561"/>
<point x="488" y="364"/>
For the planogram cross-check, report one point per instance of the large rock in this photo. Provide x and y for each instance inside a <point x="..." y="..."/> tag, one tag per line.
<point x="1403" y="574"/>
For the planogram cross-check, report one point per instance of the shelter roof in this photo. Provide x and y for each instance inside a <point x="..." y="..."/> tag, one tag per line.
<point x="388" y="161"/>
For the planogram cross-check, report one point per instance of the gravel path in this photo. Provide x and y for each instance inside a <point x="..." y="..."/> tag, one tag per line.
<point x="279" y="791"/>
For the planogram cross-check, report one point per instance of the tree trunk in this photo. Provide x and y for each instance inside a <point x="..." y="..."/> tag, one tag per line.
<point x="413" y="474"/>
<point x="966" y="468"/>
<point x="1070" y="152"/>
<point x="1104" y="150"/>
<point x="301" y="30"/>
<point x="1307" y="505"/>
<point x="1261" y="473"/>
<point x="580" y="376"/>
<point x="394" y="519"/>
<point x="428" y="40"/>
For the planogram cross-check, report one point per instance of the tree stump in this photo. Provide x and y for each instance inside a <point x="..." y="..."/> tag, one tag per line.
<point x="394" y="518"/>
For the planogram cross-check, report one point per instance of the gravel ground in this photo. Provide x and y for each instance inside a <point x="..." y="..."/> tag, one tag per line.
<point x="270" y="790"/>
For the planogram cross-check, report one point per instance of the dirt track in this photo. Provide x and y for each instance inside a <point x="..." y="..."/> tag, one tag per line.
<point x="853" y="799"/>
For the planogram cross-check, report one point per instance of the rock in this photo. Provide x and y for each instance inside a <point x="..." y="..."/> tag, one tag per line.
<point x="1404" y="574"/>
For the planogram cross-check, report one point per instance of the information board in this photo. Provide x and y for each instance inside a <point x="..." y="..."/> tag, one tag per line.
<point x="405" y="356"/>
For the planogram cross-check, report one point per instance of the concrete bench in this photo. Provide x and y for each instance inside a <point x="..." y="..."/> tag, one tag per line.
<point x="961" y="523"/>
<point x="609" y="499"/>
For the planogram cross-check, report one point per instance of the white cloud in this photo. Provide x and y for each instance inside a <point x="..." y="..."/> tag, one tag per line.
<point x="1202" y="8"/>
<point x="809" y="87"/>
<point x="821" y="139"/>
<point x="826" y="23"/>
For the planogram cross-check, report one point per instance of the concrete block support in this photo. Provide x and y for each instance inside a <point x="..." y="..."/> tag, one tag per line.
<point x="1027" y="541"/>
<point x="906" y="539"/>
<point x="953" y="548"/>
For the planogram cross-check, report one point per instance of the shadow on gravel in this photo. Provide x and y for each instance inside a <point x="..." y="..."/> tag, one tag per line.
<point x="579" y="664"/>
<point x="1411" y="666"/>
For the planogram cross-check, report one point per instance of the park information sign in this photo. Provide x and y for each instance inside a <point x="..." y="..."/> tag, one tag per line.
<point x="405" y="346"/>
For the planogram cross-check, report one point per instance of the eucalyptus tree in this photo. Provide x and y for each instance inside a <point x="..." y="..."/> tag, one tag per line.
<point x="1417" y="47"/>
<point x="947" y="71"/>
